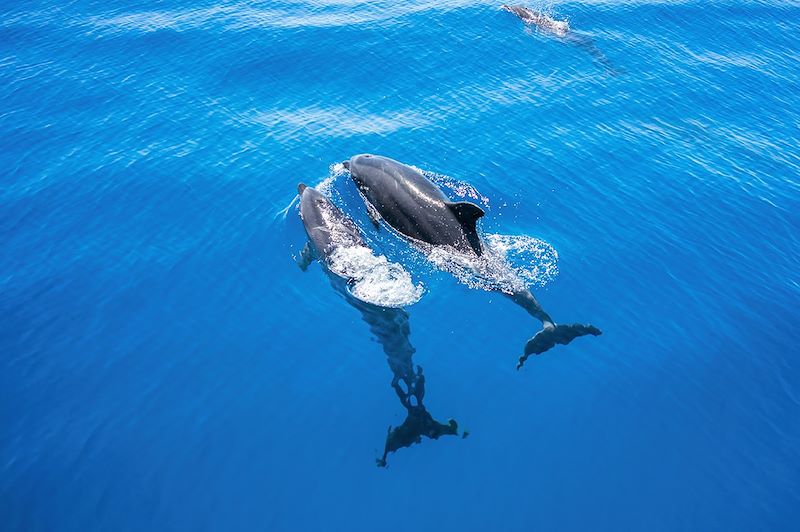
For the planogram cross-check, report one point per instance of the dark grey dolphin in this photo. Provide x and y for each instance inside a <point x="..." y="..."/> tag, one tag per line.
<point x="417" y="208"/>
<point x="561" y="30"/>
<point x="425" y="213"/>
<point x="329" y="230"/>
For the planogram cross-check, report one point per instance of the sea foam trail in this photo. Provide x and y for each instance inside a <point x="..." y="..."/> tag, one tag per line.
<point x="373" y="279"/>
<point x="509" y="263"/>
<point x="533" y="260"/>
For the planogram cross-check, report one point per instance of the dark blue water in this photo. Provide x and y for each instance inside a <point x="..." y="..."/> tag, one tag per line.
<point x="165" y="365"/>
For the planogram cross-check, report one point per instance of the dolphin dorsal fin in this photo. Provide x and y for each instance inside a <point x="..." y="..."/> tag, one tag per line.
<point x="466" y="212"/>
<point x="467" y="215"/>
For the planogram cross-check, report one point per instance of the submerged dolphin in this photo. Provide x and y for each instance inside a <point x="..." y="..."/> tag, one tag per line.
<point x="418" y="209"/>
<point x="330" y="231"/>
<point x="561" y="30"/>
<point x="540" y="20"/>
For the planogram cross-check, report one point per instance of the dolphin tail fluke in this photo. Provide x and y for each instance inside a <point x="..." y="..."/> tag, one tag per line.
<point x="555" y="334"/>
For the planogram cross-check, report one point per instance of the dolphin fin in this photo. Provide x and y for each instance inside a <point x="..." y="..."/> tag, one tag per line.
<point x="372" y="211"/>
<point x="555" y="334"/>
<point x="306" y="257"/>
<point x="467" y="214"/>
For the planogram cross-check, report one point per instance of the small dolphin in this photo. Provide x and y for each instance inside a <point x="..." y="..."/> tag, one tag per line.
<point x="415" y="207"/>
<point x="330" y="231"/>
<point x="562" y="30"/>
<point x="544" y="22"/>
<point x="327" y="227"/>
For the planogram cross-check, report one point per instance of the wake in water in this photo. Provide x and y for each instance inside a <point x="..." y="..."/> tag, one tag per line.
<point x="335" y="171"/>
<point x="509" y="263"/>
<point x="373" y="279"/>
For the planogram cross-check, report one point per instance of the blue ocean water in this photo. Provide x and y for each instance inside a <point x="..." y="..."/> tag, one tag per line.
<point x="167" y="366"/>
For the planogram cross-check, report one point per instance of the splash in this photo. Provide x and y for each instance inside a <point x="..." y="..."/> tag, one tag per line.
<point x="543" y="17"/>
<point x="459" y="188"/>
<point x="533" y="260"/>
<point x="374" y="279"/>
<point x="509" y="263"/>
<point x="326" y="185"/>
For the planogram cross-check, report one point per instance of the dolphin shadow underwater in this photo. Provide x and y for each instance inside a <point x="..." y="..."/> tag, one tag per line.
<point x="330" y="233"/>
<point x="416" y="208"/>
<point x="561" y="30"/>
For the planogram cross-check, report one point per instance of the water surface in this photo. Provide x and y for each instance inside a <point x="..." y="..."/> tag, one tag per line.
<point x="166" y="365"/>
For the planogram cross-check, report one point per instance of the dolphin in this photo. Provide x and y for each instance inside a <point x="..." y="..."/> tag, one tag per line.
<point x="330" y="231"/>
<point x="428" y="215"/>
<point x="544" y="22"/>
<point x="416" y="208"/>
<point x="562" y="30"/>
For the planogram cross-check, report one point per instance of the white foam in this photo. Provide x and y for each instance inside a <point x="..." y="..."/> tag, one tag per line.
<point x="533" y="260"/>
<point x="374" y="279"/>
<point x="509" y="263"/>
<point x="325" y="186"/>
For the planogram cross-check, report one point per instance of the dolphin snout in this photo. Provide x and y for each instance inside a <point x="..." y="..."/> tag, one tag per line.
<point x="346" y="165"/>
<point x="300" y="188"/>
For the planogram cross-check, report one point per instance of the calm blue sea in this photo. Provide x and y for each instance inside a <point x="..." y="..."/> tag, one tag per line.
<point x="165" y="365"/>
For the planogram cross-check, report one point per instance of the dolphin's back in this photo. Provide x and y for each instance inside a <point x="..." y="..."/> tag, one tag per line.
<point x="411" y="179"/>
<point x="415" y="206"/>
<point x="328" y="227"/>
